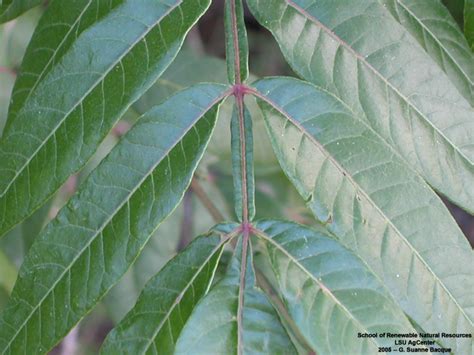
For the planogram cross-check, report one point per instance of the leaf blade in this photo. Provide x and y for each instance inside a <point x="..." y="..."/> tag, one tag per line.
<point x="50" y="43"/>
<point x="14" y="8"/>
<point x="196" y="267"/>
<point x="386" y="82"/>
<point x="83" y="96"/>
<point x="124" y="197"/>
<point x="371" y="200"/>
<point x="326" y="279"/>
<point x="214" y="326"/>
<point x="431" y="24"/>
<point x="469" y="22"/>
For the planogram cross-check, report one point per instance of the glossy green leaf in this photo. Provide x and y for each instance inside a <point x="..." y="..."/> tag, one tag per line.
<point x="236" y="44"/>
<point x="67" y="115"/>
<point x="55" y="34"/>
<point x="431" y="24"/>
<point x="100" y="232"/>
<point x="469" y="22"/>
<point x="360" y="53"/>
<point x="368" y="197"/>
<point x="242" y="167"/>
<point x="161" y="247"/>
<point x="222" y="324"/>
<point x="168" y="300"/>
<point x="9" y="9"/>
<point x="329" y="292"/>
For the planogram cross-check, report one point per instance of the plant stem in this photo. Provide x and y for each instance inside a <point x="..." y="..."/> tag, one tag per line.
<point x="235" y="41"/>
<point x="187" y="222"/>
<point x="243" y="272"/>
<point x="206" y="201"/>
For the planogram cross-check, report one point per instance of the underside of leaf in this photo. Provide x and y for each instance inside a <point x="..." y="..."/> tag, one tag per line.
<point x="373" y="202"/>
<point x="358" y="52"/>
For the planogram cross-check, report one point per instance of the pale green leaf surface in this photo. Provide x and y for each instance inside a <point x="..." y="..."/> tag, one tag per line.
<point x="374" y="203"/>
<point x="329" y="292"/>
<point x="242" y="170"/>
<point x="61" y="124"/>
<point x="167" y="301"/>
<point x="431" y="24"/>
<point x="9" y="9"/>
<point x="359" y="52"/>
<point x="102" y="229"/>
<point x="236" y="45"/>
<point x="215" y="324"/>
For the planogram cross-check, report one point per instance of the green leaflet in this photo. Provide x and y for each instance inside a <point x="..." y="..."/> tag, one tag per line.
<point x="220" y="324"/>
<point x="51" y="42"/>
<point x="242" y="169"/>
<point x="9" y="9"/>
<point x="167" y="300"/>
<point x="77" y="102"/>
<point x="236" y="45"/>
<point x="359" y="52"/>
<point x="161" y="246"/>
<point x="469" y="22"/>
<point x="100" y="232"/>
<point x="431" y="24"/>
<point x="356" y="184"/>
<point x="330" y="293"/>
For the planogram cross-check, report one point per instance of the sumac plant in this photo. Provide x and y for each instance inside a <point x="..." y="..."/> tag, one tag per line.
<point x="379" y="123"/>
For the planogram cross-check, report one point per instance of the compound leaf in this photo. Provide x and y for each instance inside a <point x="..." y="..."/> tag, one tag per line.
<point x="368" y="197"/>
<point x="71" y="109"/>
<point x="99" y="233"/>
<point x="167" y="300"/>
<point x="222" y="324"/>
<point x="329" y="292"/>
<point x="359" y="52"/>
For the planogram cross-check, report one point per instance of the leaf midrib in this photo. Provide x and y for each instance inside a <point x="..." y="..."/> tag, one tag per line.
<point x="112" y="215"/>
<point x="361" y="58"/>
<point x="363" y="192"/>
<point x="422" y="24"/>
<point x="86" y="94"/>
<point x="266" y="237"/>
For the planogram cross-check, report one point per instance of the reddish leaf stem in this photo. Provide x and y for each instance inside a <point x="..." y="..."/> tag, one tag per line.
<point x="235" y="41"/>
<point x="243" y="272"/>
